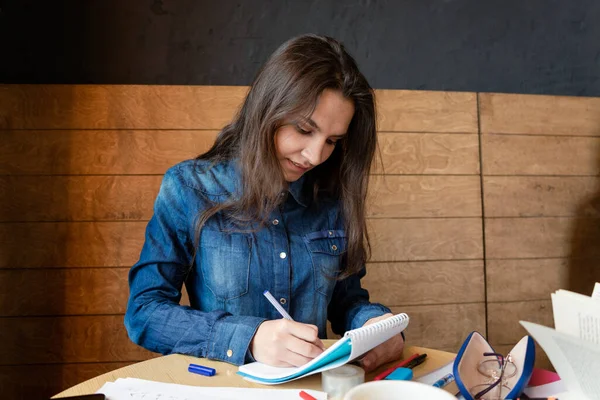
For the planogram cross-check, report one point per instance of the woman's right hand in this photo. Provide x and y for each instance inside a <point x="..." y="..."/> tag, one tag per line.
<point x="285" y="343"/>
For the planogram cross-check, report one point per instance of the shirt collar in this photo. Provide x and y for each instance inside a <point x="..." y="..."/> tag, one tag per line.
<point x="229" y="176"/>
<point x="299" y="192"/>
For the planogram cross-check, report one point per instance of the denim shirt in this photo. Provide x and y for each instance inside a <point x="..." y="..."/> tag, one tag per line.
<point x="296" y="257"/>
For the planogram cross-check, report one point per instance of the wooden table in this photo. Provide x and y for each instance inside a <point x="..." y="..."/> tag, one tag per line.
<point x="173" y="369"/>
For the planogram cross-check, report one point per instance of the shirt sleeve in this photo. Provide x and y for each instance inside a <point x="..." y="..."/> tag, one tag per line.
<point x="349" y="307"/>
<point x="154" y="318"/>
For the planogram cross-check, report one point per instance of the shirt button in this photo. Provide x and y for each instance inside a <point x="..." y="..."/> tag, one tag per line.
<point x="334" y="247"/>
<point x="229" y="353"/>
<point x="330" y="233"/>
<point x="282" y="300"/>
<point x="282" y="255"/>
<point x="275" y="222"/>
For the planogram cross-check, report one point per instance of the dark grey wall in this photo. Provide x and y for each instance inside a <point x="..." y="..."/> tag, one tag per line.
<point x="520" y="46"/>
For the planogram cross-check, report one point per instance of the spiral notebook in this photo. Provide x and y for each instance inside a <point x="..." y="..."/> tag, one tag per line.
<point x="354" y="344"/>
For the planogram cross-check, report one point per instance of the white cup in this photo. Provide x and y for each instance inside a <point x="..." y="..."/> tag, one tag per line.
<point x="396" y="390"/>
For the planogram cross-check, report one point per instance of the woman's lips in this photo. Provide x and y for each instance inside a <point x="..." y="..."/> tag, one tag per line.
<point x="296" y="166"/>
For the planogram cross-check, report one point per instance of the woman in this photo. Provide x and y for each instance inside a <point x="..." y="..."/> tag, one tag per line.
<point x="278" y="204"/>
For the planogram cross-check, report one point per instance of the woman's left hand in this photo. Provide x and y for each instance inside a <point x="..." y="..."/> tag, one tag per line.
<point x="387" y="351"/>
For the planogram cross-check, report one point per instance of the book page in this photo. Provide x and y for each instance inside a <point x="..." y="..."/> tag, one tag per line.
<point x="596" y="292"/>
<point x="576" y="361"/>
<point x="576" y="315"/>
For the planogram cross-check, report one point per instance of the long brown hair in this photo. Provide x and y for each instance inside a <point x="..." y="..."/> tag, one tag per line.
<point x="288" y="86"/>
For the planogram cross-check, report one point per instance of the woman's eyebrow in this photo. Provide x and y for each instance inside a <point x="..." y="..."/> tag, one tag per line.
<point x="314" y="125"/>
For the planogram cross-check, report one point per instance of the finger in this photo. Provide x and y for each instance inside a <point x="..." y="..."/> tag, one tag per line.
<point x="303" y="348"/>
<point x="391" y="350"/>
<point x="319" y="343"/>
<point x="368" y="361"/>
<point x="283" y="364"/>
<point x="375" y="358"/>
<point x="296" y="360"/>
<point x="306" y="332"/>
<point x="385" y="352"/>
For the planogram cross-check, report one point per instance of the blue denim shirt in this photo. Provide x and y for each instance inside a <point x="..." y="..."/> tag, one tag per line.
<point x="296" y="257"/>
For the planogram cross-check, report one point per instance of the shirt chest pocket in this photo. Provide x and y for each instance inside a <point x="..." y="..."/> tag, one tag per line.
<point x="225" y="263"/>
<point x="326" y="249"/>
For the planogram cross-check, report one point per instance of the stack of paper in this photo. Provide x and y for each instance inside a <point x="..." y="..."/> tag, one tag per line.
<point x="574" y="346"/>
<point x="139" y="389"/>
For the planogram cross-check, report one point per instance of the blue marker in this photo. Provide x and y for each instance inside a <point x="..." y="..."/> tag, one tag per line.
<point x="201" y="370"/>
<point x="443" y="381"/>
<point x="400" y="374"/>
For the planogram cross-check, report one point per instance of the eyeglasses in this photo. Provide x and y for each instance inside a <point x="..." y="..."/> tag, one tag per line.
<point x="498" y="370"/>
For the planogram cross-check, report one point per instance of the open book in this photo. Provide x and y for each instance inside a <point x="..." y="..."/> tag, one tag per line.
<point x="354" y="344"/>
<point x="574" y="346"/>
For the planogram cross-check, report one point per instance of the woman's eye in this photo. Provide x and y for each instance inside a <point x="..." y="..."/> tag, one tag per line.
<point x="302" y="131"/>
<point x="332" y="142"/>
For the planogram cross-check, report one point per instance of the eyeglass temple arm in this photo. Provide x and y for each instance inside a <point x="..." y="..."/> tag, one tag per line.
<point x="493" y="385"/>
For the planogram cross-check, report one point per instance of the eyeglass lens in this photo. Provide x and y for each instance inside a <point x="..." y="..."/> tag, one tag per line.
<point x="498" y="369"/>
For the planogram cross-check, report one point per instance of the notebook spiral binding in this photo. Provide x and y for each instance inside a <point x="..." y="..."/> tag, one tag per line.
<point x="378" y="327"/>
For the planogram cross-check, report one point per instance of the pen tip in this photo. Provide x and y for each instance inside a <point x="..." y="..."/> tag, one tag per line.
<point x="265" y="292"/>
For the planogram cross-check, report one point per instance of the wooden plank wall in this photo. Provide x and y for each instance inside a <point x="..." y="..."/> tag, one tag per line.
<point x="425" y="215"/>
<point x="541" y="161"/>
<point x="80" y="167"/>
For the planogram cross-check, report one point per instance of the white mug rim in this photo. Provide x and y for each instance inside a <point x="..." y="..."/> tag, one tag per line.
<point x="427" y="389"/>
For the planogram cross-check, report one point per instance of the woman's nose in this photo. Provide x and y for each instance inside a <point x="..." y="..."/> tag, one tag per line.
<point x="313" y="152"/>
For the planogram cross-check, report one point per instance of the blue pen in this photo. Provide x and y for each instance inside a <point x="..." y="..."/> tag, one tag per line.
<point x="201" y="370"/>
<point x="443" y="381"/>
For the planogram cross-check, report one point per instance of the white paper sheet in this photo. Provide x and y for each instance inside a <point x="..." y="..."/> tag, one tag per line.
<point x="139" y="389"/>
<point x="576" y="315"/>
<point x="434" y="376"/>
<point x="547" y="390"/>
<point x="577" y="362"/>
<point x="596" y="292"/>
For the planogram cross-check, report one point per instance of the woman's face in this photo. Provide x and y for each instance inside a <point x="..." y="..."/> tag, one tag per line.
<point x="302" y="145"/>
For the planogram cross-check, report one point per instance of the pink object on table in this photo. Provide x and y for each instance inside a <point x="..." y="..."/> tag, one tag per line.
<point x="542" y="377"/>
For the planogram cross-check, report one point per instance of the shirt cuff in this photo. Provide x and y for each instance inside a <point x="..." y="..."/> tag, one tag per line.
<point x="366" y="312"/>
<point x="231" y="337"/>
